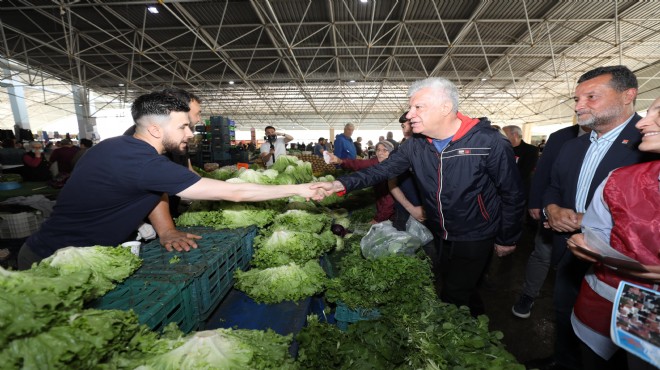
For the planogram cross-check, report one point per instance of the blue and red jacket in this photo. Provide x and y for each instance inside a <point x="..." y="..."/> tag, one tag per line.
<point x="470" y="191"/>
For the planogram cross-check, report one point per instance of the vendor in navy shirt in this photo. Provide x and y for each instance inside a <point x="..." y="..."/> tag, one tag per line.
<point x="121" y="180"/>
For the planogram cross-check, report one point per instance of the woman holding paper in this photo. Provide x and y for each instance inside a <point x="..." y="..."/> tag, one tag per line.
<point x="625" y="211"/>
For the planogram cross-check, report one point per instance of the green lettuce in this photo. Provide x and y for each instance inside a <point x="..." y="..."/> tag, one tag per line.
<point x="282" y="247"/>
<point x="223" y="349"/>
<point x="297" y="220"/>
<point x="228" y="218"/>
<point x="82" y="342"/>
<point x="108" y="265"/>
<point x="282" y="283"/>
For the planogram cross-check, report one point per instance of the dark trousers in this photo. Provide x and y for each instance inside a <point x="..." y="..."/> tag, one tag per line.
<point x="462" y="266"/>
<point x="570" y="272"/>
<point x="400" y="218"/>
<point x="592" y="361"/>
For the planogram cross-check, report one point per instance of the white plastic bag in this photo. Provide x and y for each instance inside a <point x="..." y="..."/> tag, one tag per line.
<point x="383" y="239"/>
<point x="416" y="228"/>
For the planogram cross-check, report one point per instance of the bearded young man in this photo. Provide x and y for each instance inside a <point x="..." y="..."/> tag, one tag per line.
<point x="121" y="180"/>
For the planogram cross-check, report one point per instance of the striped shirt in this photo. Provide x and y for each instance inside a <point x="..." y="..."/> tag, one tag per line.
<point x="597" y="150"/>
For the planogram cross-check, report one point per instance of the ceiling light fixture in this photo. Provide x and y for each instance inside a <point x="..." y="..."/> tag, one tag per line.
<point x="364" y="1"/>
<point x="121" y="85"/>
<point x="231" y="82"/>
<point x="484" y="79"/>
<point x="152" y="9"/>
<point x="352" y="81"/>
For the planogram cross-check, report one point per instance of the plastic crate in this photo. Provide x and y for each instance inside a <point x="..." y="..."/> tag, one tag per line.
<point x="19" y="225"/>
<point x="208" y="270"/>
<point x="346" y="316"/>
<point x="157" y="303"/>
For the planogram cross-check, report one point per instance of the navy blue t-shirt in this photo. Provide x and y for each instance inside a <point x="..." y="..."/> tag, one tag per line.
<point x="116" y="184"/>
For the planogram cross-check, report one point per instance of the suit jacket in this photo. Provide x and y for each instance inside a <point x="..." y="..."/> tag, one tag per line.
<point x="526" y="158"/>
<point x="567" y="166"/>
<point x="541" y="177"/>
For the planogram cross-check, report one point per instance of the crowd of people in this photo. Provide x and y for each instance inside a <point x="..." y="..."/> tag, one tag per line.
<point x="47" y="161"/>
<point x="473" y="185"/>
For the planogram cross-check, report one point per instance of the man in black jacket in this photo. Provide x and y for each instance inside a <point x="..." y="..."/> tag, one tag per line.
<point x="469" y="184"/>
<point x="526" y="155"/>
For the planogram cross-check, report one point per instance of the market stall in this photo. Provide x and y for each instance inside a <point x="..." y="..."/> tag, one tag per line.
<point x="272" y="285"/>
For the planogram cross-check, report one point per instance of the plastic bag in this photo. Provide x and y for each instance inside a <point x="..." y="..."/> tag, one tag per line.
<point x="416" y="228"/>
<point x="383" y="240"/>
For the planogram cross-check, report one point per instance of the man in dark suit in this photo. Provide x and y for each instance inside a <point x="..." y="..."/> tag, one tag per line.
<point x="526" y="155"/>
<point x="538" y="263"/>
<point x="604" y="101"/>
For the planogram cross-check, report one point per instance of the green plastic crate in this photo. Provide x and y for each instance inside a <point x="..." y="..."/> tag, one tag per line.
<point x="208" y="271"/>
<point x="344" y="316"/>
<point x="157" y="303"/>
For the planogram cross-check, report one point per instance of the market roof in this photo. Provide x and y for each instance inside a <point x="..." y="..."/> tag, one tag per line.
<point x="317" y="64"/>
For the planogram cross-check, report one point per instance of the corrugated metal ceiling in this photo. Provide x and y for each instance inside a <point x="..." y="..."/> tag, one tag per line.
<point x="291" y="60"/>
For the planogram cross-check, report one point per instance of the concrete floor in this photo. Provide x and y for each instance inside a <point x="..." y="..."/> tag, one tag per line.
<point x="526" y="339"/>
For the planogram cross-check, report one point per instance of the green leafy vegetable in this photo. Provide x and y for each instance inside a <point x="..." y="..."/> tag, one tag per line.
<point x="282" y="283"/>
<point x="282" y="247"/>
<point x="85" y="340"/>
<point x="31" y="302"/>
<point x="108" y="265"/>
<point x="297" y="220"/>
<point x="227" y="219"/>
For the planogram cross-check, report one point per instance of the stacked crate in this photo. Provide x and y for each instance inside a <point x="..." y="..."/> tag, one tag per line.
<point x="223" y="131"/>
<point x="183" y="287"/>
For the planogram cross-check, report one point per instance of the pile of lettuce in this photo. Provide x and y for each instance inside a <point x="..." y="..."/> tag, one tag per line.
<point x="282" y="283"/>
<point x="107" y="265"/>
<point x="285" y="263"/>
<point x="283" y="247"/>
<point x="228" y="218"/>
<point x="219" y="349"/>
<point x="298" y="220"/>
<point x="43" y="323"/>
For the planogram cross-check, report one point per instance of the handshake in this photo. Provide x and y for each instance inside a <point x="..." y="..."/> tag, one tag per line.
<point x="319" y="190"/>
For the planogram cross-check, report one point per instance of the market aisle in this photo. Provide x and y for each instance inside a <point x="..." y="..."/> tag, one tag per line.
<point x="527" y="339"/>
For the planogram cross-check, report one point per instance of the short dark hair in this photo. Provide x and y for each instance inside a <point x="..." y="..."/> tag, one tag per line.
<point x="267" y="127"/>
<point x="157" y="103"/>
<point x="622" y="77"/>
<point x="182" y="95"/>
<point x="86" y="142"/>
<point x="321" y="139"/>
<point x="403" y="118"/>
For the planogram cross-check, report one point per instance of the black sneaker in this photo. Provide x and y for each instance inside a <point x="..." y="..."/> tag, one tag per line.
<point x="523" y="308"/>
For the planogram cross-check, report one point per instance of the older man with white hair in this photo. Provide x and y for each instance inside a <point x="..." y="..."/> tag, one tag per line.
<point x="468" y="181"/>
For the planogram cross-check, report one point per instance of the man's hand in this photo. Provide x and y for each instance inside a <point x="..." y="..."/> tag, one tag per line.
<point x="178" y="240"/>
<point x="562" y="219"/>
<point x="330" y="187"/>
<point x="535" y="213"/>
<point x="504" y="250"/>
<point x="418" y="213"/>
<point x="575" y="241"/>
<point x="309" y="191"/>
